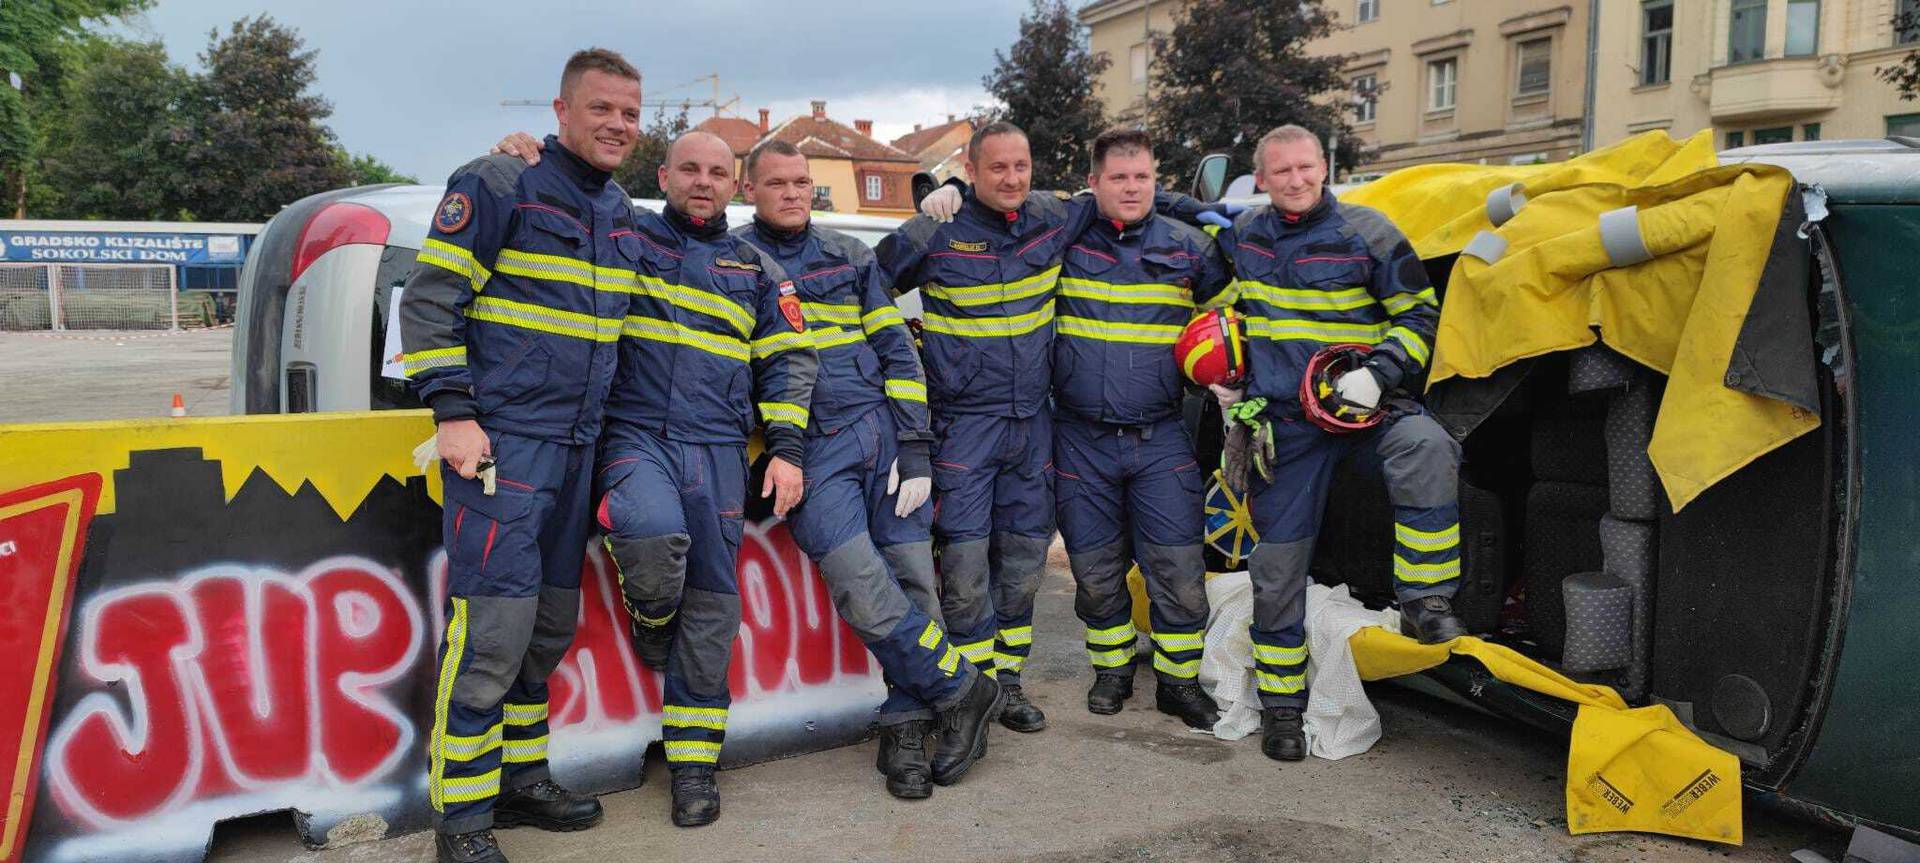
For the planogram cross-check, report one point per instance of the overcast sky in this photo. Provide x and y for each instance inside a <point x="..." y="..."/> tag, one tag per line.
<point x="419" y="84"/>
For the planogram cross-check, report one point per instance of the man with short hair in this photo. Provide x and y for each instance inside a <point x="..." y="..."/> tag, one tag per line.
<point x="517" y="378"/>
<point x="865" y="522"/>
<point x="1313" y="272"/>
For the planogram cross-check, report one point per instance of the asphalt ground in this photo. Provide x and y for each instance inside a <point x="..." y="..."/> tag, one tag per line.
<point x="1445" y="783"/>
<point x="107" y="374"/>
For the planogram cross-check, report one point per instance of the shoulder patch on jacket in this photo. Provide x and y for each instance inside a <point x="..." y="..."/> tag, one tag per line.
<point x="790" y="307"/>
<point x="454" y="212"/>
<point x="964" y="246"/>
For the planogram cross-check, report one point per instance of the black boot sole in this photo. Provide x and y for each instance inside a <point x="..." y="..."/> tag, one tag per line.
<point x="1285" y="756"/>
<point x="1104" y="709"/>
<point x="979" y="748"/>
<point x="909" y="792"/>
<point x="696" y="822"/>
<point x="1192" y="721"/>
<point x="507" y="819"/>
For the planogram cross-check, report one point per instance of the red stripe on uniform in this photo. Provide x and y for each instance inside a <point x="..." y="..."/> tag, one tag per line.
<point x="492" y="529"/>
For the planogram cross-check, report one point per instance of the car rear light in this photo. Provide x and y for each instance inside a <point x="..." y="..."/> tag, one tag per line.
<point x="334" y="226"/>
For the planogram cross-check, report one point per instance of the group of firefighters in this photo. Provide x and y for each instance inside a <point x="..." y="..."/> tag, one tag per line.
<point x="590" y="361"/>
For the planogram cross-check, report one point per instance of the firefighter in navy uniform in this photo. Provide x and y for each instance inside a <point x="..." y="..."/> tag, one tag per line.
<point x="510" y="338"/>
<point x="864" y="521"/>
<point x="1311" y="274"/>
<point x="1128" y="483"/>
<point x="715" y="344"/>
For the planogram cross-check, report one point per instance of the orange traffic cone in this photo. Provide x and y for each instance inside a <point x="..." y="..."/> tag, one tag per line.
<point x="179" y="406"/>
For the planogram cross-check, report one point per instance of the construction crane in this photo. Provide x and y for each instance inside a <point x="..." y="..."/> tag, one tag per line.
<point x="683" y="104"/>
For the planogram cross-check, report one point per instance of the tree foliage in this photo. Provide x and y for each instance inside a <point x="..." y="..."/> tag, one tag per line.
<point x="1232" y="69"/>
<point x="1047" y="86"/>
<point x="36" y="37"/>
<point x="367" y="170"/>
<point x="115" y="150"/>
<point x="1904" y="75"/>
<point x="639" y="174"/>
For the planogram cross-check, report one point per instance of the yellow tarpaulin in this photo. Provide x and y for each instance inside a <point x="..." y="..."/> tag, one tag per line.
<point x="1627" y="768"/>
<point x="1709" y="231"/>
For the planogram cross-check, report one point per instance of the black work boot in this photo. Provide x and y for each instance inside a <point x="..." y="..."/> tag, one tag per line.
<point x="476" y="847"/>
<point x="1188" y="702"/>
<point x="696" y="797"/>
<point x="903" y="759"/>
<point x="1020" y="714"/>
<point x="1430" y="619"/>
<point x="963" y="730"/>
<point x="1283" y="736"/>
<point x="651" y="642"/>
<point x="1110" y="692"/>
<point x="548" y="806"/>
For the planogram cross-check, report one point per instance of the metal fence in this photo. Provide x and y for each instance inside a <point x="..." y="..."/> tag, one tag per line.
<point x="89" y="297"/>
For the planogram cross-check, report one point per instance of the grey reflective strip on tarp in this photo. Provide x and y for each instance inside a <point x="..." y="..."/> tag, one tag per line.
<point x="1620" y="235"/>
<point x="1487" y="246"/>
<point x="1504" y="202"/>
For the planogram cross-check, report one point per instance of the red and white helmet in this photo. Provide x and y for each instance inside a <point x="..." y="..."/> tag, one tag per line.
<point x="1323" y="405"/>
<point x="1213" y="348"/>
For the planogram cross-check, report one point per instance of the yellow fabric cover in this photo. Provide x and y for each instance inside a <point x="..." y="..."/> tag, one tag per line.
<point x="1627" y="769"/>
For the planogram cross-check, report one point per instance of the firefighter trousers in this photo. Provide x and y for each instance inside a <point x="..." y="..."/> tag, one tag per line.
<point x="513" y="594"/>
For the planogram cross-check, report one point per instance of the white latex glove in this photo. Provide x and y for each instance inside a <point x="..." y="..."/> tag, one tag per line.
<point x="942" y="204"/>
<point x="1359" y="387"/>
<point x="427" y="453"/>
<point x="1227" y="396"/>
<point x="912" y="493"/>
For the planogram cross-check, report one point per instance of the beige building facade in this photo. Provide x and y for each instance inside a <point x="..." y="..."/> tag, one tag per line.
<point x="1505" y="81"/>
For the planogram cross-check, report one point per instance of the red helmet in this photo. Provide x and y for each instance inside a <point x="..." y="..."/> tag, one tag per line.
<point x="1322" y="403"/>
<point x="1213" y="348"/>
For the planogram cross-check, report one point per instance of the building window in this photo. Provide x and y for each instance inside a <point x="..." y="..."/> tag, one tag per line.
<point x="1366" y="98"/>
<point x="1443" y="76"/>
<point x="1775" y="135"/>
<point x="1366" y="10"/>
<point x="1803" y="27"/>
<point x="1535" y="74"/>
<point x="1736" y="139"/>
<point x="1810" y="132"/>
<point x="873" y="187"/>
<point x="1904" y="125"/>
<point x="1747" y="31"/>
<point x="1656" y="41"/>
<point x="1137" y="62"/>
<point x="1907" y="25"/>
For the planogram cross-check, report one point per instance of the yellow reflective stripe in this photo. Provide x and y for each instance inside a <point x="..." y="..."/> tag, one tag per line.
<point x="833" y="337"/>
<point x="556" y="268"/>
<point x="1110" y="658"/>
<point x="675" y="333"/>
<point x="989" y="327"/>
<point x="703" y="751"/>
<point x="950" y="663"/>
<point x="778" y="342"/>
<point x="976" y="651"/>
<point x="1401" y="302"/>
<point x="984" y="295"/>
<point x="1288" y="329"/>
<point x="1179" y="640"/>
<point x="420" y="361"/>
<point x="466" y="789"/>
<point x="779" y="412"/>
<point x="881" y="318"/>
<point x="1110" y="331"/>
<point x="906" y="390"/>
<point x="1279" y="685"/>
<point x="1017" y="637"/>
<point x="1008" y="662"/>
<point x="528" y="316"/>
<point x="831" y="313"/>
<point x="695" y="300"/>
<point x="442" y="697"/>
<point x="1190" y="668"/>
<point x="673" y="716"/>
<point x="1421" y="540"/>
<point x="1303" y="299"/>
<point x="448" y="256"/>
<point x="1140" y="294"/>
<point x="1122" y="634"/>
<point x="650" y="621"/>
<point x="524" y="714"/>
<point x="524" y="751"/>
<point x="1425" y="573"/>
<point x="930" y="637"/>
<point x="457" y="748"/>
<point x="1279" y="655"/>
<point x="1416" y="346"/>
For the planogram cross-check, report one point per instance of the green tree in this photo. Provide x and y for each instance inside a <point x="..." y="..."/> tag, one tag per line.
<point x="1047" y="87"/>
<point x="115" y="148"/>
<point x="1232" y="69"/>
<point x="1904" y="75"/>
<point x="639" y="174"/>
<point x="366" y="170"/>
<point x="257" y="141"/>
<point x="35" y="38"/>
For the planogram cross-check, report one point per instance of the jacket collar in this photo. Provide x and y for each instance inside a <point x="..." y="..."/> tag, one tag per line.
<point x="586" y="176"/>
<point x="1013" y="222"/>
<point x="702" y="229"/>
<point x="1114" y="229"/>
<point x="1314" y="214"/>
<point x="780" y="239"/>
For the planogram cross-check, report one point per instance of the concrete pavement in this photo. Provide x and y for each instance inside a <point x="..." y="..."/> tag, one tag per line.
<point x="101" y="374"/>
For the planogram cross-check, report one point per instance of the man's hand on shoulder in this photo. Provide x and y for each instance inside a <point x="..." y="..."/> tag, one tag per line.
<point x="519" y="144"/>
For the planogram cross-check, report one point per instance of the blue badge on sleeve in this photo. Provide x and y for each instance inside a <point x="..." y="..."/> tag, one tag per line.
<point x="454" y="213"/>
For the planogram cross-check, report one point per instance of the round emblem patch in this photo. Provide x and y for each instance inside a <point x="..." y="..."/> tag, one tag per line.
<point x="454" y="213"/>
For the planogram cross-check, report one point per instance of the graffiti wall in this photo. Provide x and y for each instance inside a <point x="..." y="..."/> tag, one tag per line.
<point x="206" y="619"/>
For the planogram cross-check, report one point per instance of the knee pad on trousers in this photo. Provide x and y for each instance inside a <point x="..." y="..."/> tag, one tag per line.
<point x="652" y="570"/>
<point x="1177" y="583"/>
<point x="497" y="630"/>
<point x="1421" y="462"/>
<point x="1017" y="564"/>
<point x="1100" y="582"/>
<point x="862" y="590"/>
<point x="912" y="566"/>
<point x="1278" y="571"/>
<point x="553" y="627"/>
<point x="703" y="646"/>
<point x="964" y="600"/>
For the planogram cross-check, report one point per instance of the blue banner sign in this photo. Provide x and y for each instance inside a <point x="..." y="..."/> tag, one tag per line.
<point x="114" y="247"/>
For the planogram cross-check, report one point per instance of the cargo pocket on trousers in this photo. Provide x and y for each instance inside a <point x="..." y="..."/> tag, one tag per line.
<point x="478" y="521"/>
